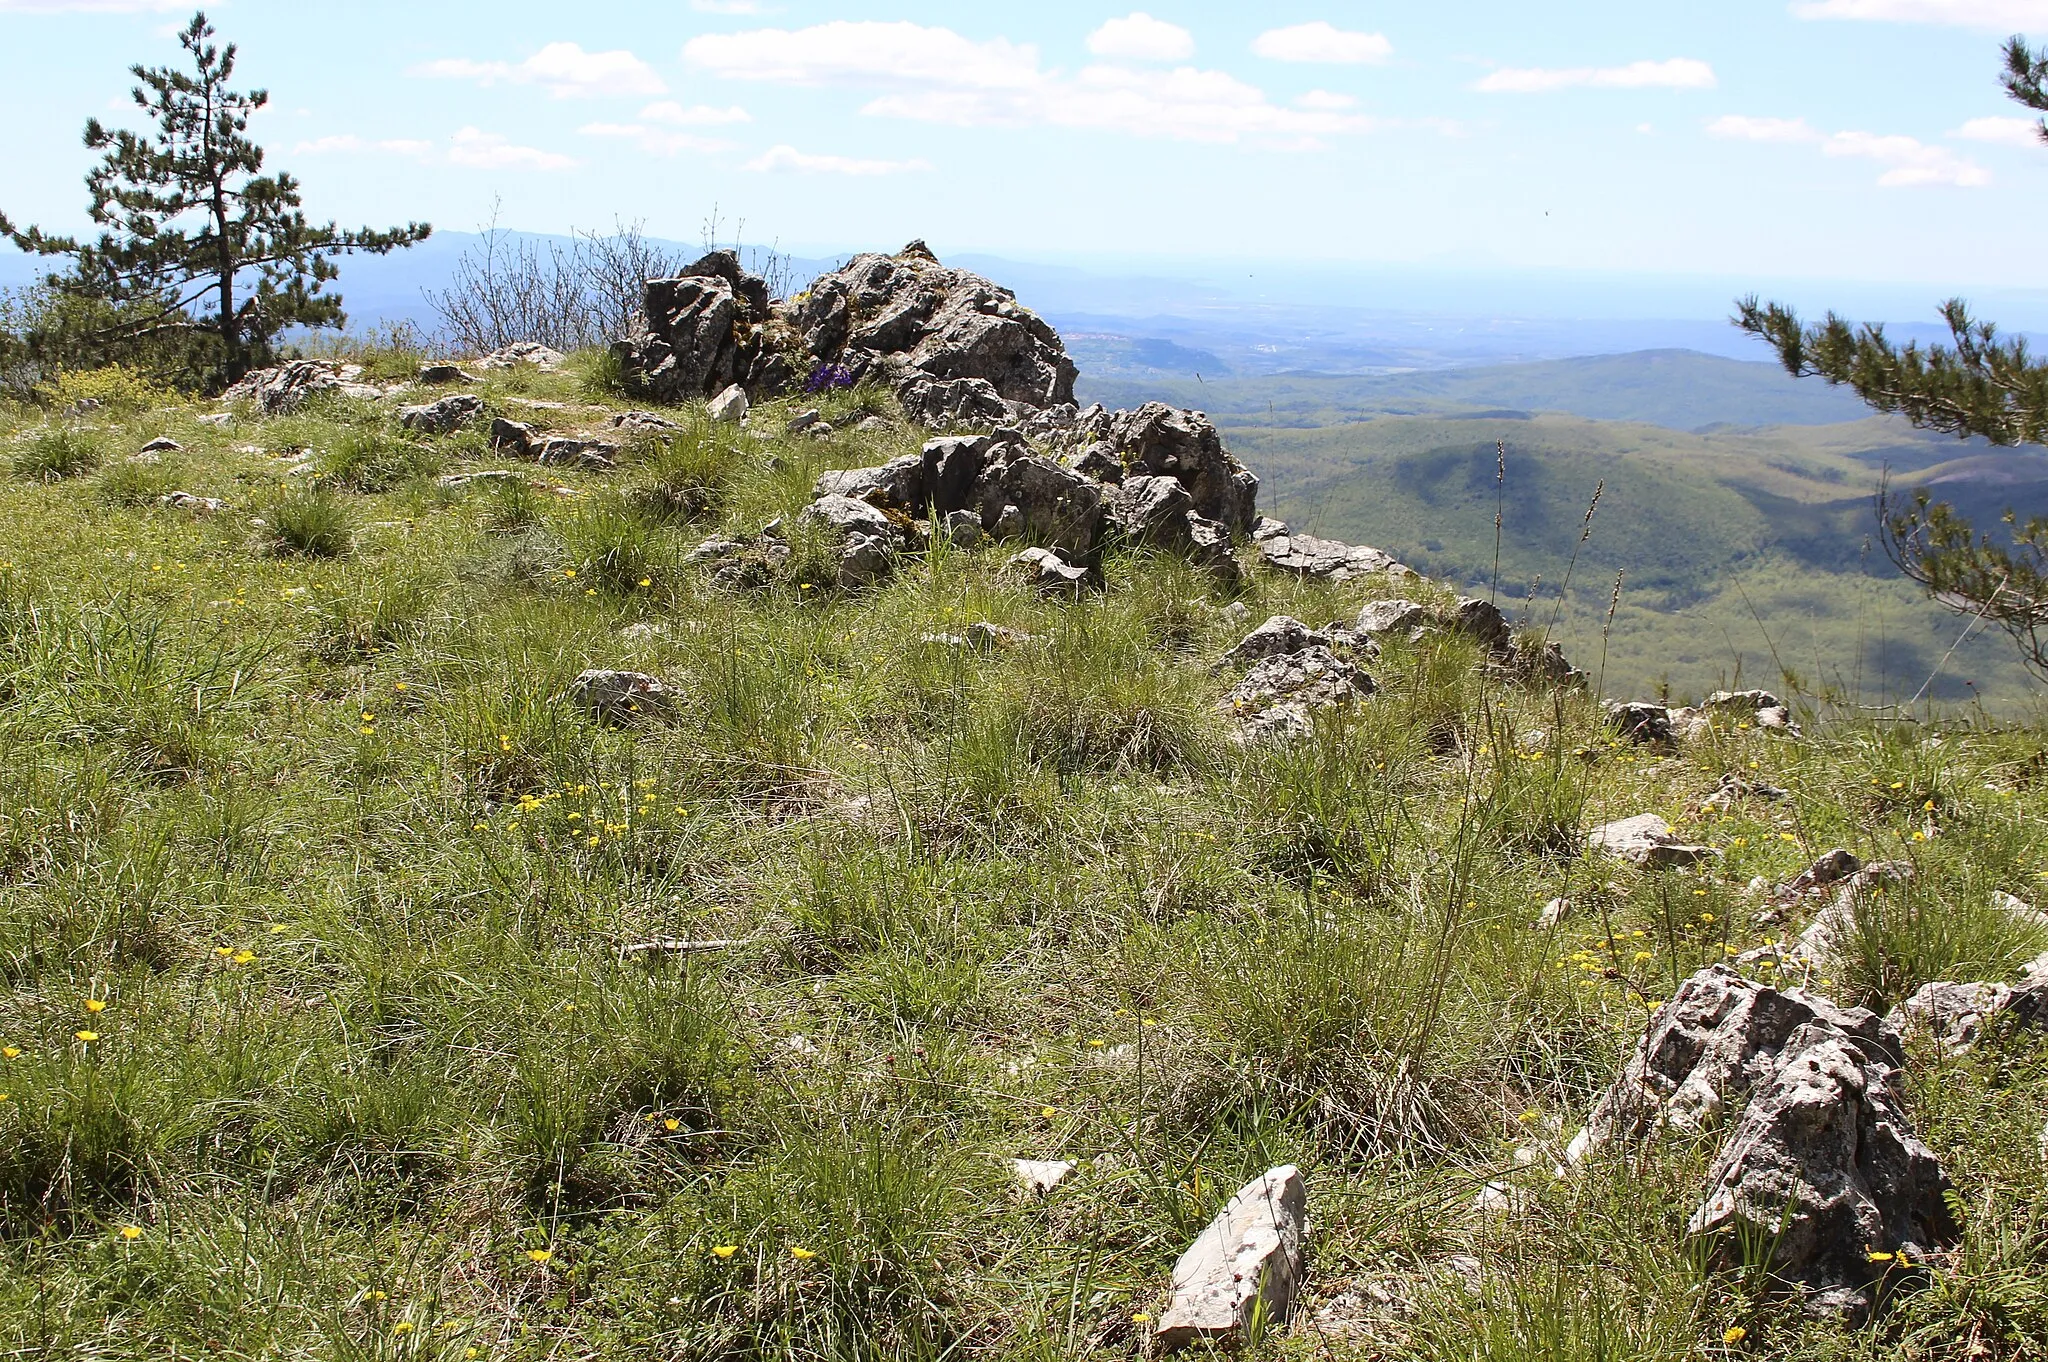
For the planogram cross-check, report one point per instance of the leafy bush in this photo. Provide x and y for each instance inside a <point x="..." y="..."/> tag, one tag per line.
<point x="117" y="390"/>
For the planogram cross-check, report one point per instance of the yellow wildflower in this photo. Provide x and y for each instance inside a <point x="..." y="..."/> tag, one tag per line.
<point x="724" y="1250"/>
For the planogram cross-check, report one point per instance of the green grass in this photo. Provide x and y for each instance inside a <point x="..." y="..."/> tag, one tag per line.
<point x="375" y="1077"/>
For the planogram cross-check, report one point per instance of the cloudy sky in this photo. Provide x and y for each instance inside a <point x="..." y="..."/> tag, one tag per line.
<point x="1862" y="139"/>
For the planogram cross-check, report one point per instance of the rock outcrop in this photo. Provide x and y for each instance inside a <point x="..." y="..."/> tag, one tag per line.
<point x="707" y="329"/>
<point x="924" y="326"/>
<point x="289" y="386"/>
<point x="622" y="697"/>
<point x="442" y="417"/>
<point x="1648" y="841"/>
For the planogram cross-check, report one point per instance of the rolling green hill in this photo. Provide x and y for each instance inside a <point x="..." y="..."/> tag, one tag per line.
<point x="1677" y="388"/>
<point x="1741" y="553"/>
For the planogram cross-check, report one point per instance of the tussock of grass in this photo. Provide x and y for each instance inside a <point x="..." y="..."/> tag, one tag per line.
<point x="307" y="811"/>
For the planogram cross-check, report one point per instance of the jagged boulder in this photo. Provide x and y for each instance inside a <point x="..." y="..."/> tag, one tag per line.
<point x="1052" y="572"/>
<point x="1161" y="441"/>
<point x="1718" y="1039"/>
<point x="622" y="697"/>
<point x="1278" y="699"/>
<point x="869" y="540"/>
<point x="707" y="329"/>
<point x="440" y="418"/>
<point x="1277" y="637"/>
<point x="524" y="352"/>
<point x="926" y="324"/>
<point x="1642" y="721"/>
<point x="287" y="387"/>
<point x="1404" y="617"/>
<point x="1823" y="1172"/>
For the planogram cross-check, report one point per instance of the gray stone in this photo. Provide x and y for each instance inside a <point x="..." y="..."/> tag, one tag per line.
<point x="898" y="484"/>
<point x="708" y="328"/>
<point x="730" y="407"/>
<point x="1209" y="549"/>
<point x="514" y="437"/>
<point x="1051" y="572"/>
<point x="1326" y="560"/>
<point x="439" y="418"/>
<point x="1838" y="919"/>
<point x="187" y="501"/>
<point x="1247" y="1262"/>
<point x="866" y="559"/>
<point x="1647" y="840"/>
<point x="1313" y="678"/>
<point x="622" y="697"/>
<point x="1184" y="445"/>
<point x="440" y="375"/>
<point x="1395" y="616"/>
<point x="575" y="450"/>
<point x="1954" y="1014"/>
<point x="1641" y="721"/>
<point x="1278" y="636"/>
<point x="1482" y="622"/>
<point x="1152" y="510"/>
<point x="803" y="421"/>
<point x="288" y="386"/>
<point x="1708" y="1049"/>
<point x="843" y="516"/>
<point x="937" y="326"/>
<point x="952" y="404"/>
<point x="645" y="423"/>
<point x="1823" y="1170"/>
<point x="1742" y="701"/>
<point x="523" y="352"/>
<point x="1038" y="1177"/>
<point x="1055" y="506"/>
<point x="1838" y="864"/>
<point x="963" y="528"/>
<point x="985" y="637"/>
<point x="456" y="482"/>
<point x="162" y="444"/>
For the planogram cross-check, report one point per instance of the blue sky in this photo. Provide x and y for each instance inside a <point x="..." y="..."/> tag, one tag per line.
<point x="1851" y="139"/>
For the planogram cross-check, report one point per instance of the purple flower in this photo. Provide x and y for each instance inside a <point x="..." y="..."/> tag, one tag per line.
<point x="826" y="377"/>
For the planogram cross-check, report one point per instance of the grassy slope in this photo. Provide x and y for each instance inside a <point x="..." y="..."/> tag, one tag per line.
<point x="372" y="1081"/>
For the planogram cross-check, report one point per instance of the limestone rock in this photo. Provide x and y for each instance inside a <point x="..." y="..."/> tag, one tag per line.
<point x="287" y="387"/>
<point x="1836" y="865"/>
<point x="1718" y="1039"/>
<point x="187" y="501"/>
<point x="1325" y="559"/>
<point x="1163" y="441"/>
<point x="1278" y="636"/>
<point x="934" y="325"/>
<point x="1038" y="1177"/>
<point x="1051" y="572"/>
<point x="162" y="444"/>
<point x="1248" y="1260"/>
<point x="952" y="404"/>
<point x="1954" y="1014"/>
<point x="514" y="437"/>
<point x="622" y="697"/>
<point x="729" y="408"/>
<point x="1396" y="616"/>
<point x="707" y="329"/>
<point x="1641" y="721"/>
<point x="524" y="352"/>
<point x="1482" y="622"/>
<point x="1824" y="1169"/>
<point x="440" y="375"/>
<point x="575" y="451"/>
<point x="1648" y="841"/>
<point x="645" y="423"/>
<point x="439" y="418"/>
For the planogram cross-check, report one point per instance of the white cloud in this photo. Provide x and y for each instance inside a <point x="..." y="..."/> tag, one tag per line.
<point x="788" y="159"/>
<point x="656" y="141"/>
<point x="1326" y="101"/>
<point x="1992" y="16"/>
<point x="848" y="51"/>
<point x="2012" y="132"/>
<point x="696" y="116"/>
<point x="1912" y="163"/>
<point x="479" y="150"/>
<point x="564" y="70"/>
<point x="1322" y="42"/>
<point x="348" y="144"/>
<point x="1679" y="73"/>
<point x="1140" y="37"/>
<point x="934" y="75"/>
<point x="728" y="6"/>
<point x="1748" y="129"/>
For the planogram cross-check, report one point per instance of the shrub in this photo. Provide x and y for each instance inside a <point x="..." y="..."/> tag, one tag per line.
<point x="311" y="521"/>
<point x="116" y="390"/>
<point x="55" y="453"/>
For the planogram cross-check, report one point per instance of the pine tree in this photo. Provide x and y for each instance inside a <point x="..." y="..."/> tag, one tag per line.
<point x="196" y="241"/>
<point x="1981" y="385"/>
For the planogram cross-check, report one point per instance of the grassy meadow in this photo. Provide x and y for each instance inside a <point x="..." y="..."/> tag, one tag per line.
<point x="347" y="1013"/>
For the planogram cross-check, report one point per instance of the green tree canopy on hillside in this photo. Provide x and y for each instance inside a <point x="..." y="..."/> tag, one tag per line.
<point x="1980" y="385"/>
<point x="196" y="243"/>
